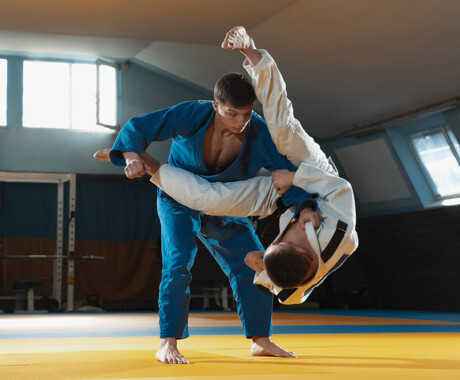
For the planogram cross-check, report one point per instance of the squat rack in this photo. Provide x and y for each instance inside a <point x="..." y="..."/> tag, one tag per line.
<point x="58" y="257"/>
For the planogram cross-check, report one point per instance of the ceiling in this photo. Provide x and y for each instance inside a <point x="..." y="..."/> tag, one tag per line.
<point x="346" y="63"/>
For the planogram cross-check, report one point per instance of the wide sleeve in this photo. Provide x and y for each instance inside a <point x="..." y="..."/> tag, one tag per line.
<point x="287" y="133"/>
<point x="160" y="125"/>
<point x="336" y="193"/>
<point x="253" y="197"/>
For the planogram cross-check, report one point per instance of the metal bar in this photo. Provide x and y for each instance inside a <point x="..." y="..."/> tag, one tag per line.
<point x="98" y="90"/>
<point x="451" y="144"/>
<point x="58" y="257"/>
<point x="10" y="298"/>
<point x="57" y="272"/>
<point x="30" y="299"/>
<point x="53" y="257"/>
<point x="34" y="177"/>
<point x="71" y="250"/>
<point x="422" y="166"/>
<point x="1" y="242"/>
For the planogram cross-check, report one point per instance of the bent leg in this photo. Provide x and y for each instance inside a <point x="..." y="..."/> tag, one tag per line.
<point x="229" y="239"/>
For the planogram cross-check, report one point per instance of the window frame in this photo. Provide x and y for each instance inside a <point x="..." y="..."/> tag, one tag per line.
<point x="443" y="128"/>
<point x="97" y="64"/>
<point x="6" y="93"/>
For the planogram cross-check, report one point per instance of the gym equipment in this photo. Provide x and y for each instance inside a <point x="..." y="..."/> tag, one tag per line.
<point x="58" y="257"/>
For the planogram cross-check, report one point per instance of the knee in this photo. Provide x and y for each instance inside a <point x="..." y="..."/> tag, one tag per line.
<point x="176" y="278"/>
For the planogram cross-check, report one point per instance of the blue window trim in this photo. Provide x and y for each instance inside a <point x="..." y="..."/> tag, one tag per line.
<point x="399" y="138"/>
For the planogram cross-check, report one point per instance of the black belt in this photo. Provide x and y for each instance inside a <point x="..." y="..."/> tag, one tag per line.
<point x="325" y="255"/>
<point x="335" y="241"/>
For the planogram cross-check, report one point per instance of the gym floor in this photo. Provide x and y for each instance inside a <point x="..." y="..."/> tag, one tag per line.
<point x="329" y="345"/>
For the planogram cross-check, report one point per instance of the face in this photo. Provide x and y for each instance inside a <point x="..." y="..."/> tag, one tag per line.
<point x="232" y="118"/>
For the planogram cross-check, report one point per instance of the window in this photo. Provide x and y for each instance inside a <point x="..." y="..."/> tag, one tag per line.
<point x="438" y="153"/>
<point x="78" y="96"/>
<point x="3" y="86"/>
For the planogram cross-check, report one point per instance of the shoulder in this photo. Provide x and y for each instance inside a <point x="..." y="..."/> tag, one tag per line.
<point x="194" y="105"/>
<point x="258" y="121"/>
<point x="258" y="126"/>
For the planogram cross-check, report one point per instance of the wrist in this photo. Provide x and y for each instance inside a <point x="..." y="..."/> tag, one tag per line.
<point x="130" y="156"/>
<point x="291" y="178"/>
<point x="253" y="55"/>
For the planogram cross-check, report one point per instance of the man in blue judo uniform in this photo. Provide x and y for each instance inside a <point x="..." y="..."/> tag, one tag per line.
<point x="220" y="140"/>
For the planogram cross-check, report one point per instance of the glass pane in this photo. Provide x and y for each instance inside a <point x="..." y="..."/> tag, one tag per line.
<point x="439" y="161"/>
<point x="107" y="95"/>
<point x="83" y="96"/>
<point x="46" y="94"/>
<point x="3" y="85"/>
<point x="453" y="140"/>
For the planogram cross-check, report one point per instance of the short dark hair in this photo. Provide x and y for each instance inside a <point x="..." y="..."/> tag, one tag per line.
<point x="286" y="267"/>
<point x="235" y="89"/>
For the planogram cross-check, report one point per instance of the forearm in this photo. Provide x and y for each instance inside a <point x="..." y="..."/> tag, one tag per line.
<point x="252" y="54"/>
<point x="287" y="133"/>
<point x="335" y="192"/>
<point x="253" y="197"/>
<point x="128" y="145"/>
<point x="130" y="156"/>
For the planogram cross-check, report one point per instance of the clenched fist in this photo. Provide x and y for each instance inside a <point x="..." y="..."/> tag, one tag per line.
<point x="282" y="180"/>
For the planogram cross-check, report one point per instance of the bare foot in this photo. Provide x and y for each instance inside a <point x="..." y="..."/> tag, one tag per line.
<point x="102" y="155"/>
<point x="263" y="346"/>
<point x="237" y="38"/>
<point x="168" y="352"/>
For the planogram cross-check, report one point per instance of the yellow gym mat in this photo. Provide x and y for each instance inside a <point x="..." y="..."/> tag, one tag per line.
<point x="328" y="346"/>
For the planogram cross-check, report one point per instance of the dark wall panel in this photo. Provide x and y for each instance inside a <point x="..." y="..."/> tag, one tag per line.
<point x="412" y="260"/>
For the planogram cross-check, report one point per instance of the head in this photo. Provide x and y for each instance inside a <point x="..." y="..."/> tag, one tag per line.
<point x="289" y="265"/>
<point x="234" y="99"/>
<point x="234" y="89"/>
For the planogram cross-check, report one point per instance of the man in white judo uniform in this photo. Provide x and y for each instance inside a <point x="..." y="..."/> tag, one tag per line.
<point x="311" y="245"/>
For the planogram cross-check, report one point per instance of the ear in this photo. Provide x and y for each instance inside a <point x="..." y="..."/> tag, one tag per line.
<point x="215" y="105"/>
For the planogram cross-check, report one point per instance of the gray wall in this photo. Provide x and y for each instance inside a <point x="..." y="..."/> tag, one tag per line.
<point x="382" y="168"/>
<point x="50" y="150"/>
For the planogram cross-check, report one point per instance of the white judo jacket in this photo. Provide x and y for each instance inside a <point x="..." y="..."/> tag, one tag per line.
<point x="336" y="237"/>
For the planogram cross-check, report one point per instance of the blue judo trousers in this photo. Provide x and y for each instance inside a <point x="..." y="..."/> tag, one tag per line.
<point x="227" y="238"/>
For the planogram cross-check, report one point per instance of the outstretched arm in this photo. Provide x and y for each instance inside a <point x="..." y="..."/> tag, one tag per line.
<point x="287" y="133"/>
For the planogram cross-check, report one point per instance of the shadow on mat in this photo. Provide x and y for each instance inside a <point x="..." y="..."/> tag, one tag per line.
<point x="343" y="361"/>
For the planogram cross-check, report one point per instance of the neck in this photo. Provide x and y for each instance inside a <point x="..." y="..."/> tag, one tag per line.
<point x="219" y="127"/>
